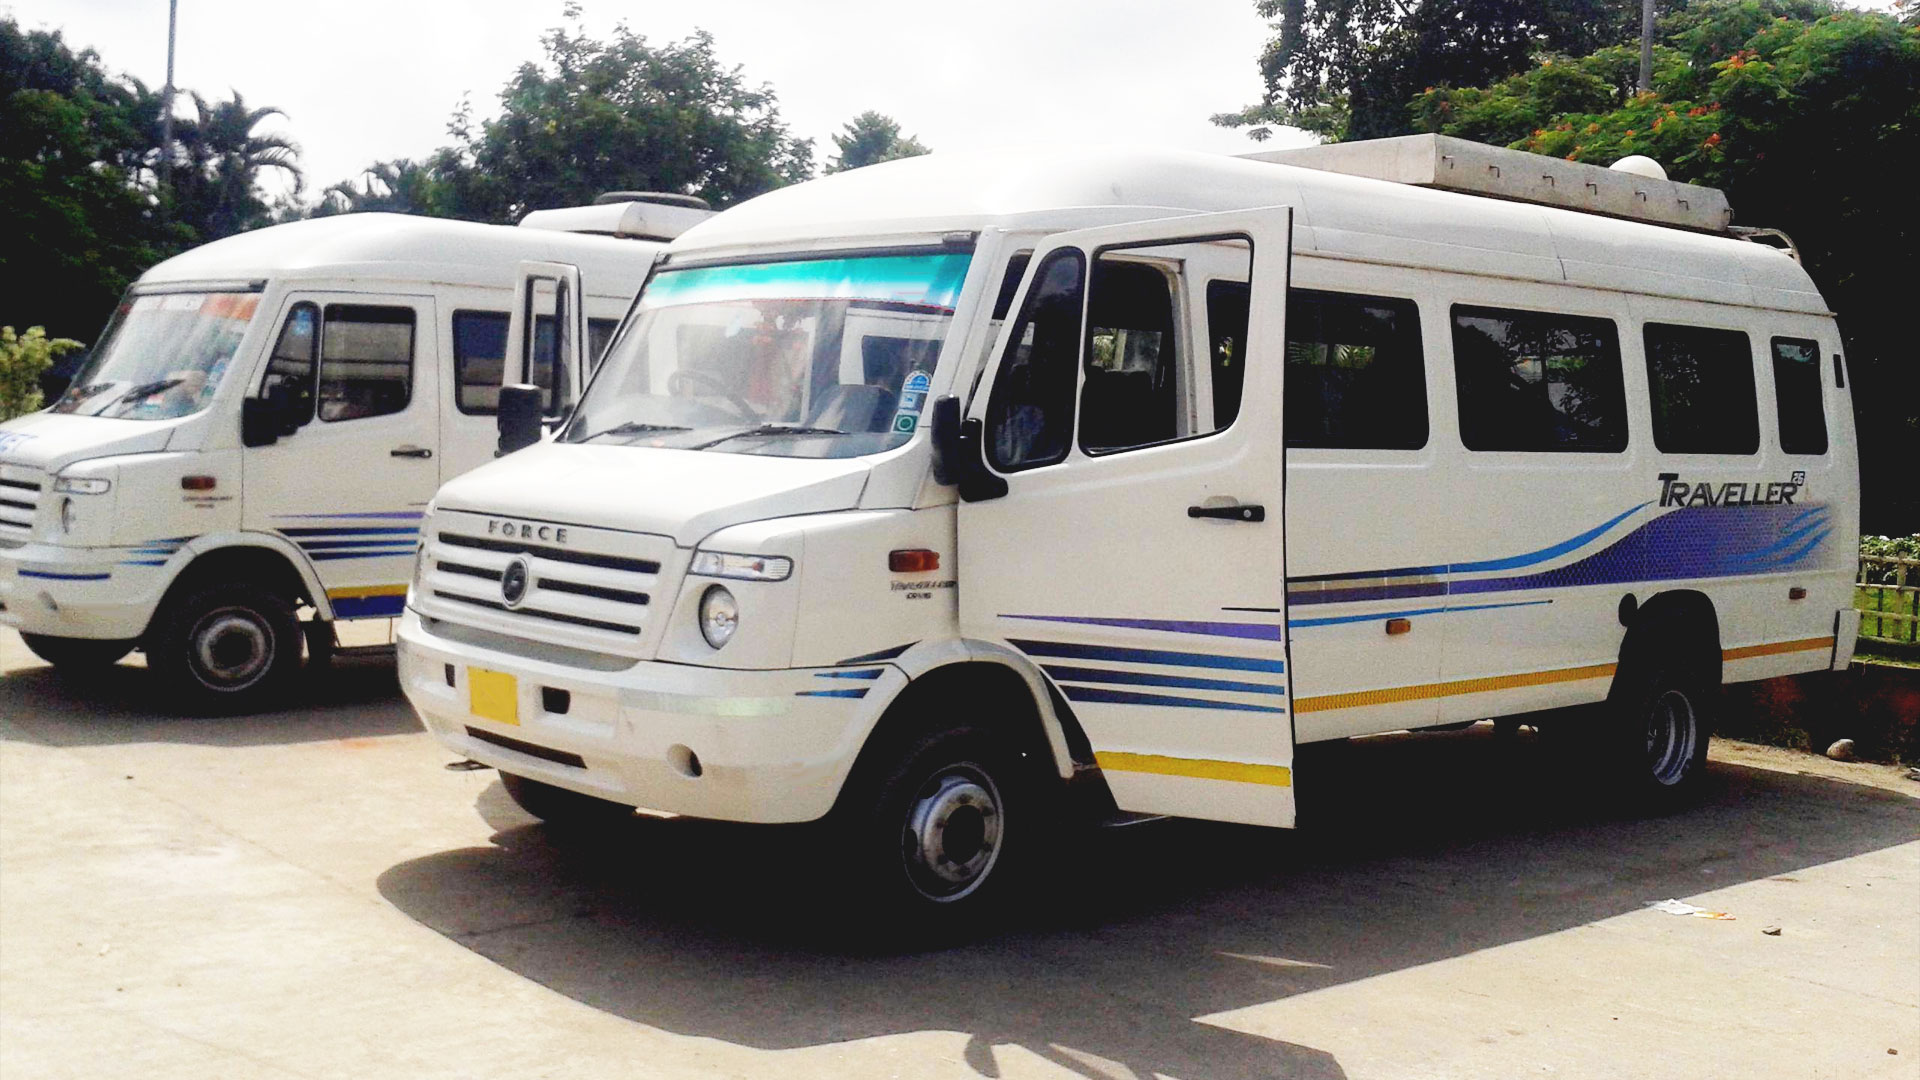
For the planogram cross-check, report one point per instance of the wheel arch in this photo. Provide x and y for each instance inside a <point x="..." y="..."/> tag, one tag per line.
<point x="267" y="560"/>
<point x="1679" y="619"/>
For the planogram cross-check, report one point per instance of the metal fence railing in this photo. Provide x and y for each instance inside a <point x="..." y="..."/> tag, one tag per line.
<point x="1889" y="606"/>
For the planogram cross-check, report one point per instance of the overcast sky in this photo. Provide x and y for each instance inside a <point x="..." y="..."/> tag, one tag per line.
<point x="363" y="81"/>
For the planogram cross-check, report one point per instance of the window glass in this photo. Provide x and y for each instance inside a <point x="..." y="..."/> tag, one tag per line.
<point x="295" y="359"/>
<point x="1355" y="377"/>
<point x="162" y="356"/>
<point x="1227" y="304"/>
<point x="1797" y="387"/>
<point x="1535" y="381"/>
<point x="366" y="361"/>
<point x="1701" y="380"/>
<point x="480" y="349"/>
<point x="1131" y="396"/>
<point x="1030" y="415"/>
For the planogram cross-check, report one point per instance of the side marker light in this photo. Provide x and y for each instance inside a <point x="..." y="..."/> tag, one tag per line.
<point x="913" y="561"/>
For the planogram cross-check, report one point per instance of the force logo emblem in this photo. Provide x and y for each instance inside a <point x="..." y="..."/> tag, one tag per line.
<point x="513" y="581"/>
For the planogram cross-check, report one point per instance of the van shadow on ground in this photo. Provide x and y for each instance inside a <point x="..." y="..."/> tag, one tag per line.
<point x="1419" y="849"/>
<point x="356" y="696"/>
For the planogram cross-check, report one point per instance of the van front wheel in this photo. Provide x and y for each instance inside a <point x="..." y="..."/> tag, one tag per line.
<point x="224" y="648"/>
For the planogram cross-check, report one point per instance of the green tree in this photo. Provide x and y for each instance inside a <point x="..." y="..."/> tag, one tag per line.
<point x="595" y="116"/>
<point x="1808" y="115"/>
<point x="1345" y="69"/>
<point x="871" y="138"/>
<point x="218" y="161"/>
<point x="22" y="358"/>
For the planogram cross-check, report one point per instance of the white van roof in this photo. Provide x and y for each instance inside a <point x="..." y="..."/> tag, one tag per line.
<point x="392" y="247"/>
<point x="1335" y="216"/>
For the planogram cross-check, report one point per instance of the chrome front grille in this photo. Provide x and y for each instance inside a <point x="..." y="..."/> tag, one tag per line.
<point x="595" y="593"/>
<point x="20" y="492"/>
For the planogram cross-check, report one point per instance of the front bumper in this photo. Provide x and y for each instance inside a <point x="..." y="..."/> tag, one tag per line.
<point x="772" y="746"/>
<point x="102" y="593"/>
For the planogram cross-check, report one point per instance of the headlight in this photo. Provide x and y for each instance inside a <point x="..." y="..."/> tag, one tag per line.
<point x="719" y="615"/>
<point x="745" y="567"/>
<point x="68" y="517"/>
<point x="82" y="485"/>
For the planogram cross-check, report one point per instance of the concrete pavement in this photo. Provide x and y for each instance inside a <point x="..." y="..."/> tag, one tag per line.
<point x="312" y="894"/>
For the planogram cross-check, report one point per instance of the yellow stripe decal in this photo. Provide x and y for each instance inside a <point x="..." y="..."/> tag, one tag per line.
<point x="359" y="591"/>
<point x="1239" y="772"/>
<point x="1771" y="648"/>
<point x="1451" y="689"/>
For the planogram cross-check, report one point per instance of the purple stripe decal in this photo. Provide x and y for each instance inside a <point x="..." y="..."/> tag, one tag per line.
<point x="1252" y="631"/>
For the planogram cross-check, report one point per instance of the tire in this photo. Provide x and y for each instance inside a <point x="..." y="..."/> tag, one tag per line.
<point x="77" y="654"/>
<point x="1661" y="716"/>
<point x="563" y="809"/>
<point x="225" y="648"/>
<point x="937" y="837"/>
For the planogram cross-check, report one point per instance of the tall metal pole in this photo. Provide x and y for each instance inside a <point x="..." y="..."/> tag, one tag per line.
<point x="1646" y="45"/>
<point x="166" y="109"/>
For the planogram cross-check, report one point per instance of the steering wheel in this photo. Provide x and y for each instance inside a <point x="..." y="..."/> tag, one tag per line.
<point x="677" y="386"/>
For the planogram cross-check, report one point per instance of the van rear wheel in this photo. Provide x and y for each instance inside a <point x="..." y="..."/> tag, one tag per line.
<point x="1661" y="723"/>
<point x="228" y="647"/>
<point x="76" y="654"/>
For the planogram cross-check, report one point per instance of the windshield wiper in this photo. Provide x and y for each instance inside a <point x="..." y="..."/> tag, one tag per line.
<point x="633" y="428"/>
<point x="770" y="429"/>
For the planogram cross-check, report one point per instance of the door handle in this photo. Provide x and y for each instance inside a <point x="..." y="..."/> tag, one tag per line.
<point x="1240" y="512"/>
<point x="410" y="451"/>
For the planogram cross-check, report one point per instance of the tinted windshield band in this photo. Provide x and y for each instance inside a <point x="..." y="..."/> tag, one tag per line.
<point x="810" y="256"/>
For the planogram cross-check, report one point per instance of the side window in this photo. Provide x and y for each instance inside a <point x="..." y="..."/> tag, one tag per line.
<point x="480" y="350"/>
<point x="1535" y="381"/>
<point x="1030" y="415"/>
<point x="1798" y="389"/>
<point x="366" y="361"/>
<point x="1355" y="377"/>
<point x="295" y="360"/>
<point x="1131" y="396"/>
<point x="1227" y="307"/>
<point x="1702" y="385"/>
<point x="599" y="336"/>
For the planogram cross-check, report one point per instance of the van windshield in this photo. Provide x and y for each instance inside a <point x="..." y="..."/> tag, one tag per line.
<point x="162" y="356"/>
<point x="828" y="357"/>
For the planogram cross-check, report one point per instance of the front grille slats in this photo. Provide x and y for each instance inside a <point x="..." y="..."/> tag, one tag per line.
<point x="20" y="495"/>
<point x="595" y="593"/>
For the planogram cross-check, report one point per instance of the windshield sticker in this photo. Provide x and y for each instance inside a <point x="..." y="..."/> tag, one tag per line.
<point x="913" y="398"/>
<point x="930" y="281"/>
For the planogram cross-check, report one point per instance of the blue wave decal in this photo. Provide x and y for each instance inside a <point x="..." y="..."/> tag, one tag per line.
<point x="404" y="515"/>
<point x="1510" y="562"/>
<point x="324" y="556"/>
<point x="322" y="545"/>
<point x="871" y="673"/>
<point x="1076" y="651"/>
<point x="883" y="654"/>
<point x="1378" y="615"/>
<point x="143" y="562"/>
<point x="1067" y="673"/>
<point x="52" y="575"/>
<point x="1253" y="631"/>
<point x="368" y="607"/>
<point x="351" y="532"/>
<point x="859" y="693"/>
<point x="1128" y="697"/>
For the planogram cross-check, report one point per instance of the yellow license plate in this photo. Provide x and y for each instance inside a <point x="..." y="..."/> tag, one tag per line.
<point x="494" y="695"/>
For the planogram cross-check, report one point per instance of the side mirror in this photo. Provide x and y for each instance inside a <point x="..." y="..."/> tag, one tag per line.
<point x="944" y="429"/>
<point x="519" y="419"/>
<point x="262" y="420"/>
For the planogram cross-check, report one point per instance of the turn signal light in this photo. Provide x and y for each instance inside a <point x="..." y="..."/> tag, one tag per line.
<point x="1399" y="626"/>
<point x="913" y="561"/>
<point x="197" y="483"/>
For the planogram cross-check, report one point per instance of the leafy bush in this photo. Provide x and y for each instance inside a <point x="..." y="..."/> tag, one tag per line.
<point x="22" y="358"/>
<point x="1889" y="547"/>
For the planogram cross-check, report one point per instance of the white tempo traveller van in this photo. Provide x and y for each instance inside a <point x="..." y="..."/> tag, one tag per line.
<point x="918" y="497"/>
<point x="261" y="425"/>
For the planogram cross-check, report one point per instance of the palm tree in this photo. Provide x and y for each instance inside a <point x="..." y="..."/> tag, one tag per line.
<point x="218" y="162"/>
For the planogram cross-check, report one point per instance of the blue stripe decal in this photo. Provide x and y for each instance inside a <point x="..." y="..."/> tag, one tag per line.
<point x="1510" y="562"/>
<point x="1298" y="623"/>
<point x="402" y="515"/>
<point x="1128" y="697"/>
<point x="368" y="607"/>
<point x="1075" y="651"/>
<point x="53" y="576"/>
<point x="1065" y="673"/>
<point x="322" y="545"/>
<point x="323" y="556"/>
<point x="351" y="532"/>
<point x="870" y="674"/>
<point x="1253" y="631"/>
<point x="143" y="562"/>
<point x="861" y="692"/>
<point x="883" y="654"/>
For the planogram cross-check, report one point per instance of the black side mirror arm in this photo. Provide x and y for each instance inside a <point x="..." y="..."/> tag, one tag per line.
<point x="519" y="421"/>
<point x="958" y="453"/>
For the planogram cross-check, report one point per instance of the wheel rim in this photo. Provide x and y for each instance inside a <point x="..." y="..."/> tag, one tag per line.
<point x="951" y="839"/>
<point x="1672" y="735"/>
<point x="230" y="648"/>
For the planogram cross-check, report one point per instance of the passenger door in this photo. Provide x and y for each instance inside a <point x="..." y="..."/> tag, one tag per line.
<point x="1137" y="554"/>
<point x="349" y="486"/>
